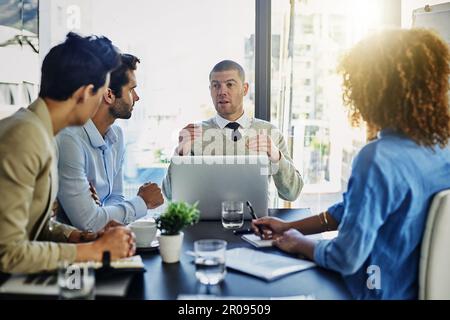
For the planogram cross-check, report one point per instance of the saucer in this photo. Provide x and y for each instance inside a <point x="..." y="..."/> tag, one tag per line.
<point x="152" y="248"/>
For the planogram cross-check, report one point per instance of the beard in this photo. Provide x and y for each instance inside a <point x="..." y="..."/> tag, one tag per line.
<point x="120" y="110"/>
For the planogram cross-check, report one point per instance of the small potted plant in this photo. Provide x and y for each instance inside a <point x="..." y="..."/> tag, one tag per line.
<point x="177" y="216"/>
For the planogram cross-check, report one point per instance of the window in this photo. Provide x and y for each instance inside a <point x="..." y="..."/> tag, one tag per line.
<point x="178" y="43"/>
<point x="8" y="94"/>
<point x="19" y="60"/>
<point x="28" y="93"/>
<point x="317" y="130"/>
<point x="307" y="24"/>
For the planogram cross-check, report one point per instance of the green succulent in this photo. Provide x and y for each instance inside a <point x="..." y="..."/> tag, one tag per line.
<point x="177" y="216"/>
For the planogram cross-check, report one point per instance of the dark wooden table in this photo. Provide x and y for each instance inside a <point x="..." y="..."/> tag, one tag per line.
<point x="164" y="281"/>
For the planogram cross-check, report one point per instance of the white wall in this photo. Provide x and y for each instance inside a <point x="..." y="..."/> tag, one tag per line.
<point x="409" y="5"/>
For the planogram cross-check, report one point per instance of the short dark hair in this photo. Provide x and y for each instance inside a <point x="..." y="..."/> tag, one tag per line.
<point x="76" y="62"/>
<point x="227" y="65"/>
<point x="119" y="76"/>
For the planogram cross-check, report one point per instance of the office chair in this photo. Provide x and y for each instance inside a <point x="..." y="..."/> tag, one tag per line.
<point x="434" y="267"/>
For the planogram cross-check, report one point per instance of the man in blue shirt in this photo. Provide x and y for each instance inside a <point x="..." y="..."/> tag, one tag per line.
<point x="91" y="160"/>
<point x="388" y="83"/>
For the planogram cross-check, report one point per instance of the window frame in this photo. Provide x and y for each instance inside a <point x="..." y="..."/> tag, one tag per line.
<point x="263" y="36"/>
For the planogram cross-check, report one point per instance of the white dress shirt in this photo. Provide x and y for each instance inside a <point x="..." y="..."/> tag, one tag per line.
<point x="244" y="123"/>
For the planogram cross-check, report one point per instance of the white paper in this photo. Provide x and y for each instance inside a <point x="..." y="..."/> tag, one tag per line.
<point x="264" y="265"/>
<point x="134" y="262"/>
<point x="256" y="241"/>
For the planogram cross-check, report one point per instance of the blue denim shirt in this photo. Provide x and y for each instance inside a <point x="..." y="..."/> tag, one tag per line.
<point x="383" y="216"/>
<point x="84" y="156"/>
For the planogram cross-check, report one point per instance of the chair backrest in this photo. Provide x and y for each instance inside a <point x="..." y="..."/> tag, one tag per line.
<point x="434" y="268"/>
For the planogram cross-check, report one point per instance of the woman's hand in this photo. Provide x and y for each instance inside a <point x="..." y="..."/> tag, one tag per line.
<point x="293" y="241"/>
<point x="271" y="227"/>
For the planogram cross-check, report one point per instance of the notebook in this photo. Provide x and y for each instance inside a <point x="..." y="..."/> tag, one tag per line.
<point x="45" y="284"/>
<point x="256" y="241"/>
<point x="113" y="285"/>
<point x="267" y="266"/>
<point x="134" y="262"/>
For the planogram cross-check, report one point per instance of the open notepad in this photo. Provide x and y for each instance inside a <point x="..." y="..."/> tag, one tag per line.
<point x="264" y="265"/>
<point x="134" y="262"/>
<point x="257" y="241"/>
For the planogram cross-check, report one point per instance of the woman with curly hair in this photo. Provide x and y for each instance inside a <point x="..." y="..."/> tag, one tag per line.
<point x="395" y="81"/>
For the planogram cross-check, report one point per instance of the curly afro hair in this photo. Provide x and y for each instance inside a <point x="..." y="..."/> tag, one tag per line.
<point x="399" y="79"/>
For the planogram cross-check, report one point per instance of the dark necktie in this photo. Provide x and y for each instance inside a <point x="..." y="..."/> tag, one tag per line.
<point x="236" y="134"/>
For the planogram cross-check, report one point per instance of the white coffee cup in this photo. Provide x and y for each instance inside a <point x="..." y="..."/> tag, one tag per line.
<point x="145" y="232"/>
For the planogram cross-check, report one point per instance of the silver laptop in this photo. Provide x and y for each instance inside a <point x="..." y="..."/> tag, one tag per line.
<point x="213" y="179"/>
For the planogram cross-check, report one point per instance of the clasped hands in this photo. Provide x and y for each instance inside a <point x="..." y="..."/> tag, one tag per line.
<point x="116" y="237"/>
<point x="260" y="143"/>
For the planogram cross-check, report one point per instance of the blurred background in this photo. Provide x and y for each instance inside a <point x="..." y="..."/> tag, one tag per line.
<point x="179" y="42"/>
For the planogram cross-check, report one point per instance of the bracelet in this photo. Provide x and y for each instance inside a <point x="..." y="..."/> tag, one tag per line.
<point x="325" y="218"/>
<point x="324" y="221"/>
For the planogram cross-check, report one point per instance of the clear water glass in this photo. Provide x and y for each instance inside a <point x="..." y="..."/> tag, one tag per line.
<point x="232" y="214"/>
<point x="76" y="281"/>
<point x="210" y="260"/>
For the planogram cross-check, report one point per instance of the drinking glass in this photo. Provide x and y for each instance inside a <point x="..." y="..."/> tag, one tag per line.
<point x="210" y="260"/>
<point x="232" y="214"/>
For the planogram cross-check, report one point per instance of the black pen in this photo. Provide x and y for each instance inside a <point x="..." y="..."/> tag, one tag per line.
<point x="253" y="214"/>
<point x="242" y="231"/>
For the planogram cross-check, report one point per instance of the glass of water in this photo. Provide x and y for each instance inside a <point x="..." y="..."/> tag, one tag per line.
<point x="76" y="281"/>
<point x="210" y="260"/>
<point x="232" y="214"/>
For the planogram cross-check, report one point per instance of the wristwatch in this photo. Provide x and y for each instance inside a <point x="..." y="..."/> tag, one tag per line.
<point x="86" y="236"/>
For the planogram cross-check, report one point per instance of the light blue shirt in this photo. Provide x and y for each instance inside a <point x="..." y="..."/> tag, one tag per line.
<point x="84" y="156"/>
<point x="383" y="215"/>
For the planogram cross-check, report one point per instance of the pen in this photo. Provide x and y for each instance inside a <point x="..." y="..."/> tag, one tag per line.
<point x="252" y="212"/>
<point x="243" y="231"/>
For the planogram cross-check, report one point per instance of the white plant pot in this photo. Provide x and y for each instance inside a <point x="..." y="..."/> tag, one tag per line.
<point x="170" y="247"/>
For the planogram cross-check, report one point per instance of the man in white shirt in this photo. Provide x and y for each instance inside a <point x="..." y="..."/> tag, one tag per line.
<point x="228" y="88"/>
